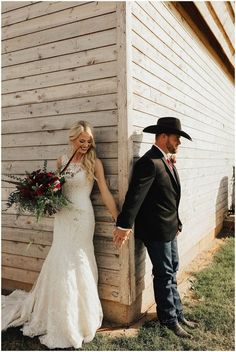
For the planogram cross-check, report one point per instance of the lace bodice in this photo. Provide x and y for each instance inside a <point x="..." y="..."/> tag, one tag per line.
<point x="77" y="187"/>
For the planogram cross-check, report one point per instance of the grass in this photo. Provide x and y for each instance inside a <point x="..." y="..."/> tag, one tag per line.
<point x="211" y="303"/>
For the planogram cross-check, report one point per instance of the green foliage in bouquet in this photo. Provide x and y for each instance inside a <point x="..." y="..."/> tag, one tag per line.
<point x="39" y="193"/>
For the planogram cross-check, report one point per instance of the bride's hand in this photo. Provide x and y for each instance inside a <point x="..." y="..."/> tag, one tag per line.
<point x="120" y="236"/>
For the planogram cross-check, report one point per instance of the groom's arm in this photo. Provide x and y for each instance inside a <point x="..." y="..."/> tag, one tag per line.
<point x="142" y="178"/>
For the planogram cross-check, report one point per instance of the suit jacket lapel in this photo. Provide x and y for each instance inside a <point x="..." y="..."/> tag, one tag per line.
<point x="173" y="175"/>
<point x="176" y="175"/>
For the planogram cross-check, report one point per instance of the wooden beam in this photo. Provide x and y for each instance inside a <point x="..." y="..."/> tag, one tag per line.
<point x="213" y="23"/>
<point x="191" y="14"/>
<point x="125" y="150"/>
<point x="221" y="17"/>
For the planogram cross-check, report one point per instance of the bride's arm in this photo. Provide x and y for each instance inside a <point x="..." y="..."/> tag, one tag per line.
<point x="105" y="193"/>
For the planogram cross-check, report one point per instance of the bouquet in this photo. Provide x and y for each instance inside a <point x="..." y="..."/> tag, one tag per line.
<point x="39" y="193"/>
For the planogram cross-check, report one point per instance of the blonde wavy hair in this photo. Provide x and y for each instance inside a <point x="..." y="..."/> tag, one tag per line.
<point x="88" y="160"/>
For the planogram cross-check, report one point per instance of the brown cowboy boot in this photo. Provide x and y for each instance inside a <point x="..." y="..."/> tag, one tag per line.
<point x="190" y="324"/>
<point x="179" y="331"/>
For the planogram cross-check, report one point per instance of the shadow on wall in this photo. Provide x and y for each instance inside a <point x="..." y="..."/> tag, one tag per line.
<point x="232" y="193"/>
<point x="221" y="205"/>
<point x="143" y="274"/>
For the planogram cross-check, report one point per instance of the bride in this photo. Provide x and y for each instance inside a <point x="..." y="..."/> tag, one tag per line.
<point x="63" y="307"/>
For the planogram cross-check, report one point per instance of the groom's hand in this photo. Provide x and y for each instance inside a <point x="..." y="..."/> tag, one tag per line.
<point x="120" y="236"/>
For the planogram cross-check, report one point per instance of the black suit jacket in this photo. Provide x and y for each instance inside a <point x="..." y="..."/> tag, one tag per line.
<point x="152" y="199"/>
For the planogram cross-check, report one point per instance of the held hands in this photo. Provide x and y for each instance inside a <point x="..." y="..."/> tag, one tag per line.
<point x="120" y="236"/>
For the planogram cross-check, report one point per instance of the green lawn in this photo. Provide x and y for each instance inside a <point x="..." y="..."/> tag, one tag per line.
<point x="212" y="304"/>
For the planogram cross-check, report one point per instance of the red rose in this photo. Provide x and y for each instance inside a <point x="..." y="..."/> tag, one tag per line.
<point x="56" y="185"/>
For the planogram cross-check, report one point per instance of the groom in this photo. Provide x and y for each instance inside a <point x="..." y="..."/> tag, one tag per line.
<point x="152" y="202"/>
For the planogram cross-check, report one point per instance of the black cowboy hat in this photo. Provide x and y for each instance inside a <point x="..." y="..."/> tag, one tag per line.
<point x="167" y="125"/>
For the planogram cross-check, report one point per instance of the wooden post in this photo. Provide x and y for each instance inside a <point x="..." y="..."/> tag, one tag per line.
<point x="125" y="145"/>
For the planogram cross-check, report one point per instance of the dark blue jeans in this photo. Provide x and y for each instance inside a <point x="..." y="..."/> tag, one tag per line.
<point x="165" y="261"/>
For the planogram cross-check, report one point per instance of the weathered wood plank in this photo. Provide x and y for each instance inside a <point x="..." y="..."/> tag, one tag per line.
<point x="108" y="261"/>
<point x="20" y="248"/>
<point x="68" y="106"/>
<point x="66" y="31"/>
<point x="178" y="68"/>
<point x="222" y="12"/>
<point x="104" y="260"/>
<point x="72" y="75"/>
<point x="206" y="12"/>
<point x="102" y="244"/>
<point x="11" y="285"/>
<point x="109" y="277"/>
<point x="106" y="292"/>
<point x="27" y="222"/>
<point x="172" y="20"/>
<point x="38" y="9"/>
<point x="12" y="5"/>
<point x="57" y="19"/>
<point x="104" y="150"/>
<point x="19" y="167"/>
<point x="125" y="157"/>
<point x="69" y="91"/>
<point x="26" y="276"/>
<point x="179" y="56"/>
<point x="159" y="77"/>
<point x="109" y="292"/>
<point x="67" y="46"/>
<point x="62" y="62"/>
<point x="59" y="122"/>
<point x="148" y="85"/>
<point x="106" y="134"/>
<point x="230" y="5"/>
<point x="104" y="229"/>
<point x="21" y="273"/>
<point x="14" y="261"/>
<point x="27" y="236"/>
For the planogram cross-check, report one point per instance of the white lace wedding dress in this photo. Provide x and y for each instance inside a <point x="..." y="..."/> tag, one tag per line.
<point x="63" y="306"/>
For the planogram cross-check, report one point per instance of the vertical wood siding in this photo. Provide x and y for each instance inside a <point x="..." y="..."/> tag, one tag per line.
<point x="59" y="66"/>
<point x="174" y="75"/>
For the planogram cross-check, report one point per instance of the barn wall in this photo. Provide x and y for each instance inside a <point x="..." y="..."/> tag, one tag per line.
<point x="59" y="66"/>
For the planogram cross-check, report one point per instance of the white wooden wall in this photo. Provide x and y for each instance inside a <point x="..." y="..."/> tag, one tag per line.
<point x="59" y="66"/>
<point x="173" y="74"/>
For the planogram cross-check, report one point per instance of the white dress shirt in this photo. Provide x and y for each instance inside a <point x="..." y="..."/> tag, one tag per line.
<point x="165" y="155"/>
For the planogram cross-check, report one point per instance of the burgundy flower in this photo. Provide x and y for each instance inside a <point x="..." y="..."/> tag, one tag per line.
<point x="56" y="186"/>
<point x="26" y="193"/>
